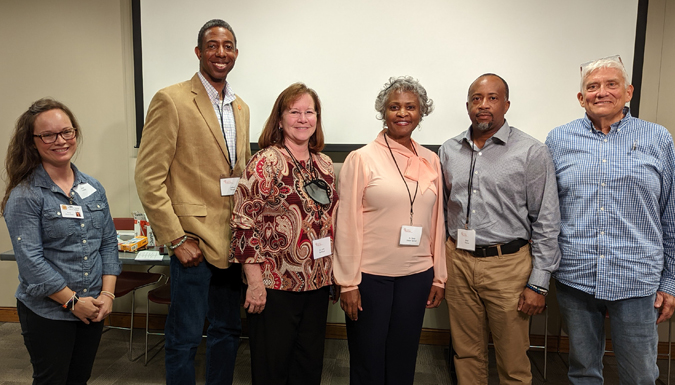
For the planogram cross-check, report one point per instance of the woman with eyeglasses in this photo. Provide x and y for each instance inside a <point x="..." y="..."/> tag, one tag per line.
<point x="282" y="225"/>
<point x="390" y="240"/>
<point x="65" y="245"/>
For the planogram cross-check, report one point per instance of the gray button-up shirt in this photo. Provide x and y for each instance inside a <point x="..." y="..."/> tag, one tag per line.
<point x="514" y="194"/>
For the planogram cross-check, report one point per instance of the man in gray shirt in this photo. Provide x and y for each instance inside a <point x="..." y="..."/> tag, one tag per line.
<point x="503" y="220"/>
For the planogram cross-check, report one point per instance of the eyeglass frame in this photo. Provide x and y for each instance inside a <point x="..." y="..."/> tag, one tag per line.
<point x="616" y="58"/>
<point x="56" y="135"/>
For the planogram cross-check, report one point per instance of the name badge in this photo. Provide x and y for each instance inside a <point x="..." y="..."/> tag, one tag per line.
<point x="84" y="190"/>
<point x="72" y="211"/>
<point x="466" y="239"/>
<point x="410" y="236"/>
<point x="321" y="247"/>
<point x="228" y="186"/>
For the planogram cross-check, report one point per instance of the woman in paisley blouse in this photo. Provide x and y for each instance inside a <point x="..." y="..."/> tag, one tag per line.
<point x="283" y="236"/>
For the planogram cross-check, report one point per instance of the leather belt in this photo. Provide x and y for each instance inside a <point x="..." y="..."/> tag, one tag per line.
<point x="491" y="251"/>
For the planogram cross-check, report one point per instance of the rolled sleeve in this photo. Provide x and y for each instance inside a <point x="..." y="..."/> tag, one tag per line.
<point x="23" y="215"/>
<point x="111" y="264"/>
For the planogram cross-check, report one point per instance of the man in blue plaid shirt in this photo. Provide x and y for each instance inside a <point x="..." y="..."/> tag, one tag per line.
<point x="617" y="237"/>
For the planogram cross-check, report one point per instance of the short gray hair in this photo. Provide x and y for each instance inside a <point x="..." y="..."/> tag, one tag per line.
<point x="608" y="62"/>
<point x="403" y="84"/>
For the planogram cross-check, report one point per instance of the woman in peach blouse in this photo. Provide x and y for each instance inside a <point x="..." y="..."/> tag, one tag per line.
<point x="390" y="257"/>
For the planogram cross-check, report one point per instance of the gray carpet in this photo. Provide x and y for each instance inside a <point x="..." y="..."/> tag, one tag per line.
<point x="112" y="366"/>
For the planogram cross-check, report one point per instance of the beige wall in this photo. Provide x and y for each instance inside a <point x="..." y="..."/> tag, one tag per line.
<point x="658" y="100"/>
<point x="80" y="52"/>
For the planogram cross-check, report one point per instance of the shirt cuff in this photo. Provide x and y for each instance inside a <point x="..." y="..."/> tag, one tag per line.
<point x="46" y="289"/>
<point x="667" y="285"/>
<point x="344" y="289"/>
<point x="540" y="278"/>
<point x="111" y="268"/>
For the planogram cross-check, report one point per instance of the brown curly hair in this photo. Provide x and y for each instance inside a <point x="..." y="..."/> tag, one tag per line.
<point x="22" y="155"/>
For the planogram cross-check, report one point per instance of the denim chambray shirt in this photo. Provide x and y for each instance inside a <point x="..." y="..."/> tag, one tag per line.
<point x="53" y="252"/>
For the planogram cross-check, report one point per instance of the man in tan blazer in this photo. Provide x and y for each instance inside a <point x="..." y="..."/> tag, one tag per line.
<point x="195" y="145"/>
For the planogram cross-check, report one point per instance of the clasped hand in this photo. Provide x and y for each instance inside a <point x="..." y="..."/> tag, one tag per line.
<point x="92" y="309"/>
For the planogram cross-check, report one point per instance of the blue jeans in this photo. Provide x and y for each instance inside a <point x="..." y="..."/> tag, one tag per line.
<point x="197" y="293"/>
<point x="633" y="331"/>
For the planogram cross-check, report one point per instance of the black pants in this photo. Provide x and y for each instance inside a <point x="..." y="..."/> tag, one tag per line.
<point x="62" y="352"/>
<point x="383" y="341"/>
<point x="287" y="338"/>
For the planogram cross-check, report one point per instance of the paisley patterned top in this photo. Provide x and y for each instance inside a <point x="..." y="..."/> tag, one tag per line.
<point x="274" y="221"/>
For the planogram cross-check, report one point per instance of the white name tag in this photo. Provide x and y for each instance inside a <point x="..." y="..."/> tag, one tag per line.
<point x="228" y="186"/>
<point x="321" y="247"/>
<point x="466" y="239"/>
<point x="410" y="235"/>
<point x="84" y="190"/>
<point x="72" y="211"/>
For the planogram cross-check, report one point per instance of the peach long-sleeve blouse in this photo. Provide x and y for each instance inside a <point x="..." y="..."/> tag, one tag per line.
<point x="374" y="204"/>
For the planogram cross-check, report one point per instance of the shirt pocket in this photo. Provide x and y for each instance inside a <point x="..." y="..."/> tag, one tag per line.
<point x="645" y="170"/>
<point x="55" y="226"/>
<point x="97" y="211"/>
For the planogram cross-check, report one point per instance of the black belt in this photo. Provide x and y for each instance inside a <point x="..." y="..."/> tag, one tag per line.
<point x="491" y="251"/>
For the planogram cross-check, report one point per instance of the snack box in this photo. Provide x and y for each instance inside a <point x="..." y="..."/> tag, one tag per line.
<point x="134" y="244"/>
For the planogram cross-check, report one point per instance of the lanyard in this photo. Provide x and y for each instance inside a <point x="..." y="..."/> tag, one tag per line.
<point x="222" y="128"/>
<point x="309" y="171"/>
<point x="472" y="168"/>
<point x="313" y="176"/>
<point x="411" y="197"/>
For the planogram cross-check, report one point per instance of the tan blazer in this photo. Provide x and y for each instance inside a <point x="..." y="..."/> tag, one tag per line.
<point x="180" y="162"/>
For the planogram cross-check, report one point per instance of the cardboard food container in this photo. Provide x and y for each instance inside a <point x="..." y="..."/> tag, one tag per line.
<point x="134" y="244"/>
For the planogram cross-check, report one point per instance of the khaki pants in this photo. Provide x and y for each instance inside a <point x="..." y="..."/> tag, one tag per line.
<point x="482" y="295"/>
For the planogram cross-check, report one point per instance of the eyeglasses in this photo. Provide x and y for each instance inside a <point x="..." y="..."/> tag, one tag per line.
<point x="49" y="138"/>
<point x="616" y="58"/>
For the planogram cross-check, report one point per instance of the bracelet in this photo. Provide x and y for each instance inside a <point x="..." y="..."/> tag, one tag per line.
<point x="537" y="289"/>
<point x="108" y="294"/>
<point x="182" y="240"/>
<point x="71" y="302"/>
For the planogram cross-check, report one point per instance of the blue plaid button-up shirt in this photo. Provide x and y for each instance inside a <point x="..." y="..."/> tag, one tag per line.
<point x="617" y="232"/>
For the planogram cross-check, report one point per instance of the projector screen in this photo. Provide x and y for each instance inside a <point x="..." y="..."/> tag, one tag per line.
<point x="346" y="50"/>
